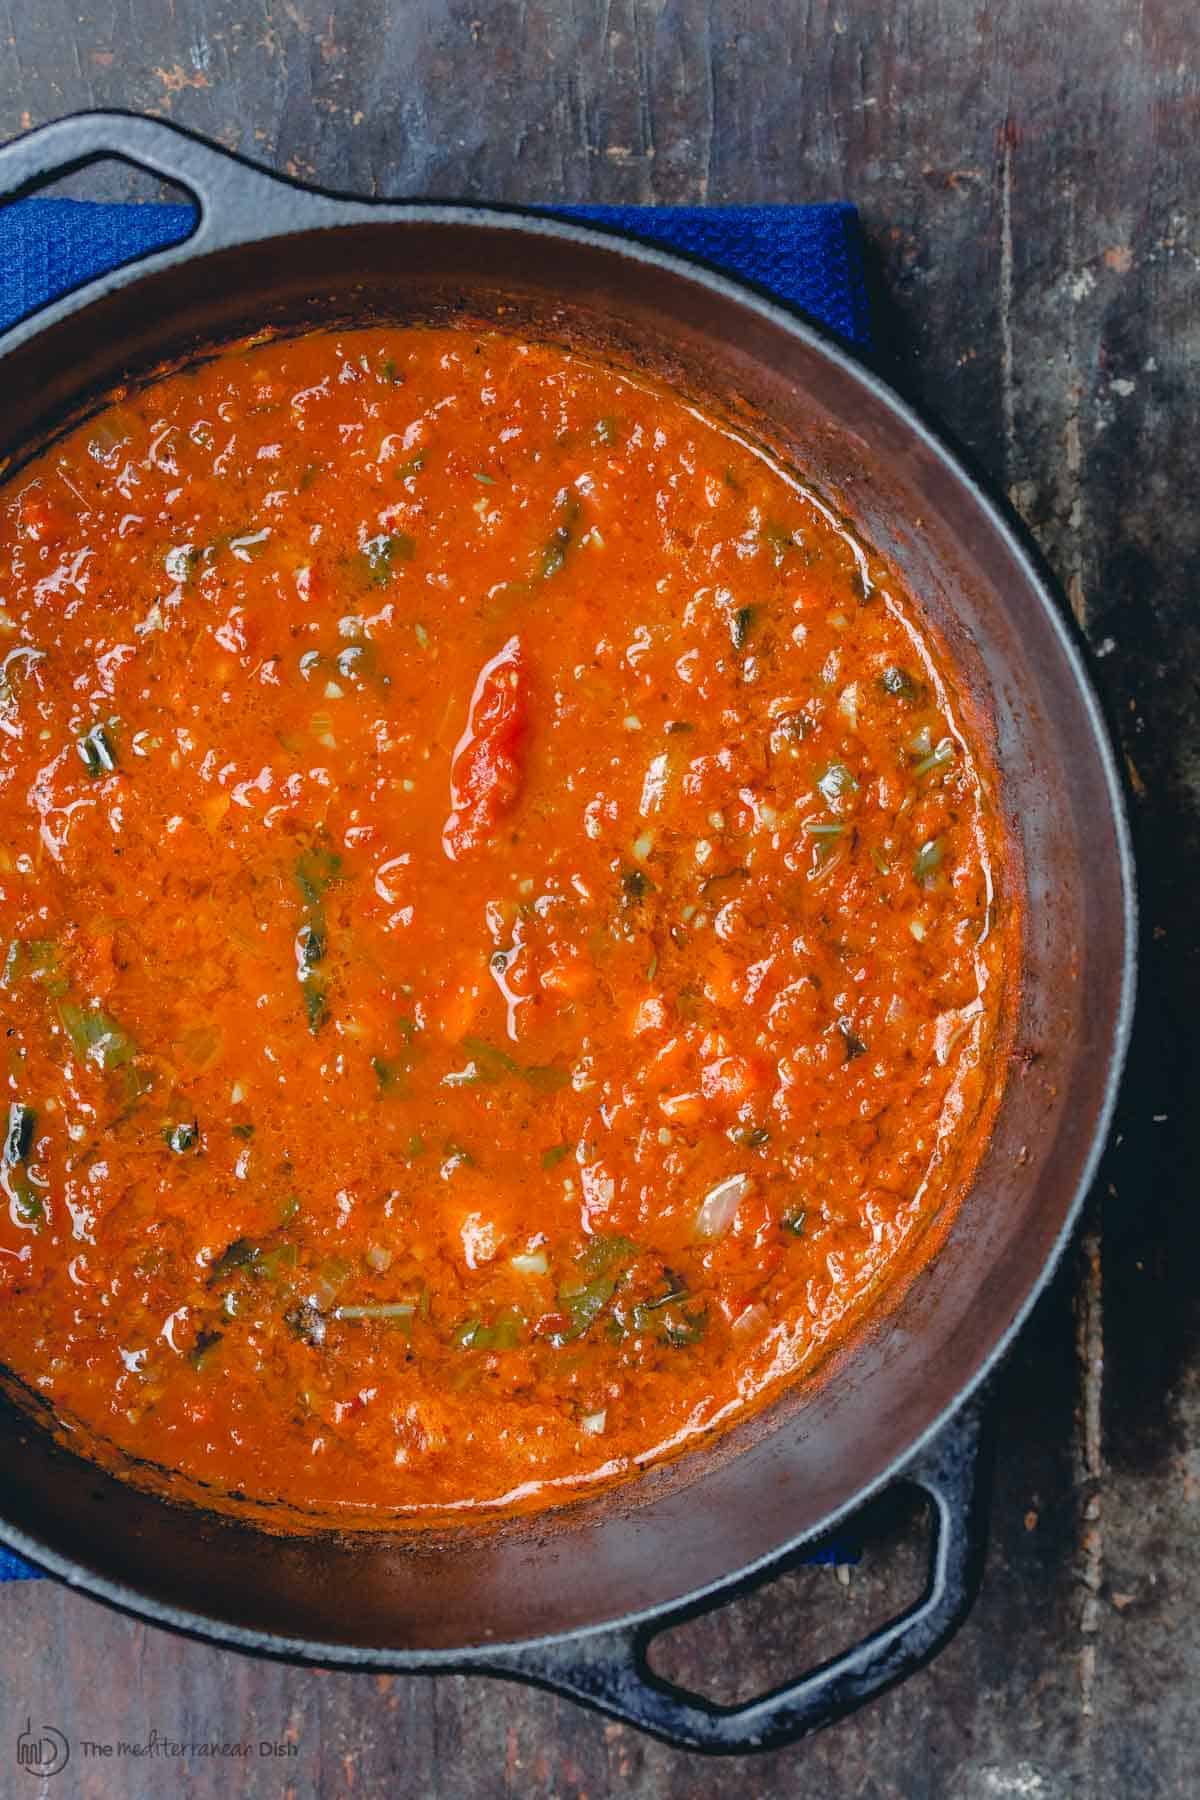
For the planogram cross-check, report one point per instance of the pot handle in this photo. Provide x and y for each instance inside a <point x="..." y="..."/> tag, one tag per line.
<point x="608" y="1670"/>
<point x="236" y="199"/>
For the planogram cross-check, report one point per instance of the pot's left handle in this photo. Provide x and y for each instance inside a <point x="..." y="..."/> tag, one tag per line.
<point x="236" y="200"/>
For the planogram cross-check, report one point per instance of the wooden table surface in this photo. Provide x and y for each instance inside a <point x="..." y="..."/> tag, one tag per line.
<point x="1028" y="173"/>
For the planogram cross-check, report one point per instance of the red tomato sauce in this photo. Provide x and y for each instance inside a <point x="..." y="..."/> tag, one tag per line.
<point x="505" y="940"/>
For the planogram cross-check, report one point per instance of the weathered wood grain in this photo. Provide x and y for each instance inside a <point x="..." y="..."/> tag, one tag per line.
<point x="1028" y="173"/>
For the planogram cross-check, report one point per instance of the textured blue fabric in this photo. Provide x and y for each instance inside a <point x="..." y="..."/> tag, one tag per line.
<point x="810" y="256"/>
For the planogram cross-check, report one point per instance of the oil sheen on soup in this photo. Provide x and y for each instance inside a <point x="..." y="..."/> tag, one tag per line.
<point x="505" y="939"/>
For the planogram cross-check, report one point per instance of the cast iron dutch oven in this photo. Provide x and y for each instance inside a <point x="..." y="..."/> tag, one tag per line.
<point x="571" y="1600"/>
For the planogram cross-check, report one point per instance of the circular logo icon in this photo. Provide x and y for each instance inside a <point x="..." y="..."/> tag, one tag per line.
<point x="44" y="1751"/>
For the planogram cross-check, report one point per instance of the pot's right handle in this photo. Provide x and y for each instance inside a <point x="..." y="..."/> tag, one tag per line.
<point x="609" y="1669"/>
<point x="236" y="199"/>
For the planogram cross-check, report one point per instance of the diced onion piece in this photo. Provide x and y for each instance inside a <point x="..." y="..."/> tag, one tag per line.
<point x="848" y="704"/>
<point x="719" y="1206"/>
<point x="752" y="1322"/>
<point x="379" y="1258"/>
<point x="654" y="786"/>
<point x="532" y="1262"/>
<point x="594" y="1422"/>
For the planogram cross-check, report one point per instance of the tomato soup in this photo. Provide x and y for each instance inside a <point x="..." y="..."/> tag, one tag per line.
<point x="506" y="944"/>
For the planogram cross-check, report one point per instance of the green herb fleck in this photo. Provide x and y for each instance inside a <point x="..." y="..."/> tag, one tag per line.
<point x="682" y="1328"/>
<point x="779" y="540"/>
<point x="96" y="751"/>
<point x="181" y="1138"/>
<point x="181" y="562"/>
<point x="316" y="871"/>
<point x="18" y="1135"/>
<point x="740" y="624"/>
<point x="382" y="553"/>
<point x="316" y="1006"/>
<point x="96" y="1036"/>
<point x="489" y="1065"/>
<point x="554" y="554"/>
<point x="899" y="683"/>
<point x="240" y="1254"/>
<point x="941" y="753"/>
<point x="836" y="783"/>
<point x="928" y="859"/>
<point x="204" y="1349"/>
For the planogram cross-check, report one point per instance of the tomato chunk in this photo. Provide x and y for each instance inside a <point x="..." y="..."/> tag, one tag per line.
<point x="487" y="769"/>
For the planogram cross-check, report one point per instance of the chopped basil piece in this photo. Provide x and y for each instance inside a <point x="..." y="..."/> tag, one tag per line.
<point x="204" y="1349"/>
<point x="181" y="1138"/>
<point x="382" y="553"/>
<point x="238" y="1255"/>
<point x="779" y="539"/>
<point x="18" y="1135"/>
<point x="740" y="624"/>
<point x="96" y="1036"/>
<point x="682" y="1328"/>
<point x="316" y="871"/>
<point x="899" y="683"/>
<point x="928" y="859"/>
<point x="554" y="555"/>
<point x="837" y="782"/>
<point x="96" y="751"/>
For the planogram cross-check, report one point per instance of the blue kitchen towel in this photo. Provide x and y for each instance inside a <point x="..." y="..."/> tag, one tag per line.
<point x="810" y="256"/>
